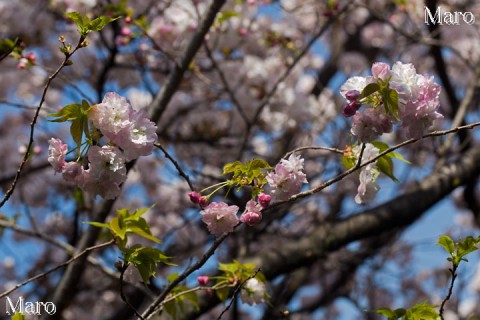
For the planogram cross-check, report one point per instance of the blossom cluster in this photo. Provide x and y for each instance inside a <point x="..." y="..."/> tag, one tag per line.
<point x="418" y="102"/>
<point x="285" y="181"/>
<point x="129" y="134"/>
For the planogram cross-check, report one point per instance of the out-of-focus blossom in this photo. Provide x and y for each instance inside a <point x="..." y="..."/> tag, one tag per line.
<point x="253" y="292"/>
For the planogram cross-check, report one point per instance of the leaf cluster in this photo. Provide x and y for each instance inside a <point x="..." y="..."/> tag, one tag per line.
<point x="145" y="259"/>
<point x="458" y="250"/>
<point x="378" y="93"/>
<point x="252" y="173"/>
<point x="233" y="274"/>
<point x="420" y="311"/>
<point x="86" y="25"/>
<point x="177" y="305"/>
<point x="78" y="115"/>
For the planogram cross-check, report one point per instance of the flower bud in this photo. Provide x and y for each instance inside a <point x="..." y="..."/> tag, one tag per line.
<point x="202" y="280"/>
<point x="352" y="95"/>
<point x="194" y="197"/>
<point x="349" y="110"/>
<point x="264" y="200"/>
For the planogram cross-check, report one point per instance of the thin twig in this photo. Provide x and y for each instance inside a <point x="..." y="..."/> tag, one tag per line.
<point x="453" y="272"/>
<point x="235" y="293"/>
<point x="65" y="62"/>
<point x="335" y="150"/>
<point x="358" y="166"/>
<point x="150" y="311"/>
<point x="122" y="294"/>
<point x="44" y="274"/>
<point x="175" y="163"/>
<point x="227" y="87"/>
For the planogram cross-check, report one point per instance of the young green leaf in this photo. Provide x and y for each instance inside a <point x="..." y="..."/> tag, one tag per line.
<point x="447" y="243"/>
<point x="369" y="89"/>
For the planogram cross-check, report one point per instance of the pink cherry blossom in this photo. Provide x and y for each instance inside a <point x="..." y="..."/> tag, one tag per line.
<point x="220" y="217"/>
<point x="253" y="213"/>
<point x="367" y="188"/>
<point x="380" y="70"/>
<point x="371" y="123"/>
<point x="106" y="172"/>
<point x="141" y="136"/>
<point x="264" y="200"/>
<point x="288" y="178"/>
<point x="129" y="129"/>
<point x="57" y="151"/>
<point x="74" y="172"/>
<point x="111" y="116"/>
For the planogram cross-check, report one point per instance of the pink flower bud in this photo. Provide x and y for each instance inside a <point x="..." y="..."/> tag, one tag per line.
<point x="243" y="31"/>
<point x="194" y="197"/>
<point x="31" y="57"/>
<point x="22" y="63"/>
<point x="202" y="201"/>
<point x="251" y="218"/>
<point x="352" y="95"/>
<point x="128" y="20"/>
<point x="264" y="200"/>
<point x="126" y="31"/>
<point x="202" y="280"/>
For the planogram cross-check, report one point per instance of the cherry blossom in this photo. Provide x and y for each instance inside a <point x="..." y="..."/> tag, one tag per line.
<point x="129" y="129"/>
<point x="57" y="151"/>
<point x="106" y="172"/>
<point x="253" y="292"/>
<point x="368" y="187"/>
<point x="220" y="217"/>
<point x="287" y="179"/>
<point x="253" y="213"/>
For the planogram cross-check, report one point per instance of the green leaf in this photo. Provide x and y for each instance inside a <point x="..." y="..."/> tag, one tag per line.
<point x="369" y="89"/>
<point x="348" y="162"/>
<point x="76" y="130"/>
<point x="138" y="213"/>
<point x="258" y="164"/>
<point x="99" y="224"/>
<point x="142" y="229"/>
<point x="77" y="17"/>
<point x="447" y="243"/>
<point x="466" y="246"/>
<point x="232" y="167"/>
<point x="145" y="259"/>
<point x="385" y="312"/>
<point x="390" y="102"/>
<point x="117" y="229"/>
<point x="398" y="156"/>
<point x="226" y="15"/>
<point x="222" y="293"/>
<point x="68" y="113"/>
<point x="385" y="165"/>
<point x="172" y="277"/>
<point x="18" y="316"/>
<point x="422" y="311"/>
<point x="100" y="23"/>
